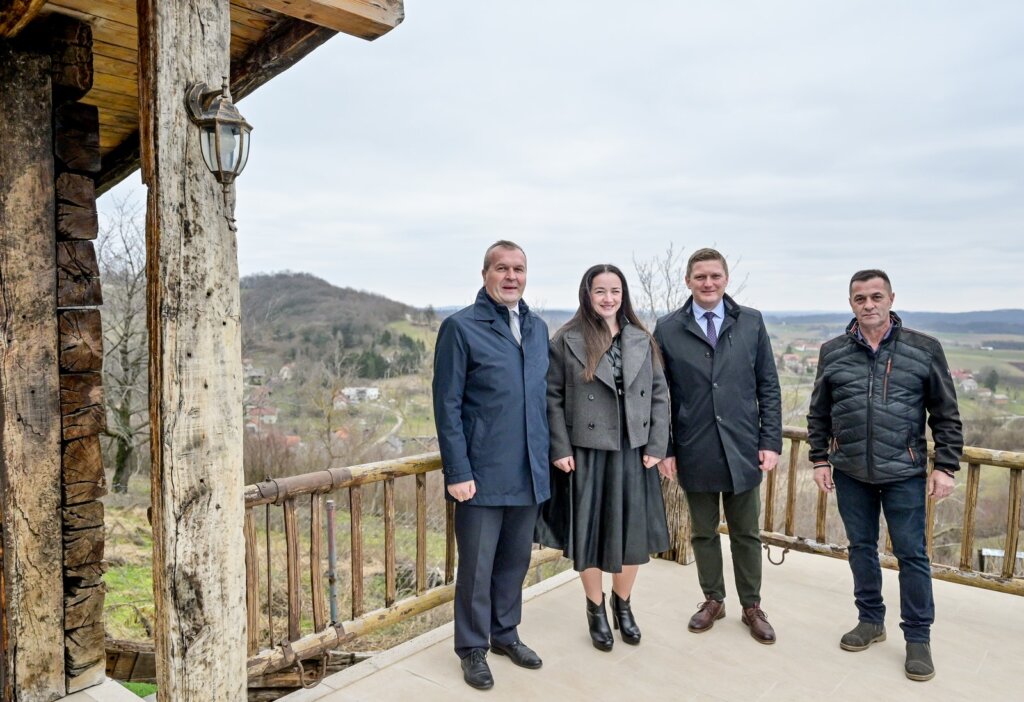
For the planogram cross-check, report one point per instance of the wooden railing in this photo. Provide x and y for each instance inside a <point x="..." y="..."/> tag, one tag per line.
<point x="798" y="472"/>
<point x="309" y="631"/>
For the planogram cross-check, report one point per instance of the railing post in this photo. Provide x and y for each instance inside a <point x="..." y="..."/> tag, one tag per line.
<point x="355" y="506"/>
<point x="1012" y="524"/>
<point x="252" y="585"/>
<point x="794" y="458"/>
<point x="316" y="555"/>
<point x="970" y="510"/>
<point x="389" y="542"/>
<point x="449" y="541"/>
<point x="291" y="536"/>
<point x="332" y="561"/>
<point x="421" y="533"/>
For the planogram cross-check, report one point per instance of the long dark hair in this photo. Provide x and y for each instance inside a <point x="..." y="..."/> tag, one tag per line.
<point x="597" y="338"/>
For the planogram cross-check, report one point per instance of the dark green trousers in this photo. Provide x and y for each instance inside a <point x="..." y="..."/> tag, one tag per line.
<point x="742" y="514"/>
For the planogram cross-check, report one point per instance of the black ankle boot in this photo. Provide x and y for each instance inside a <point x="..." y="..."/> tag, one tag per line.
<point x="600" y="633"/>
<point x="624" y="621"/>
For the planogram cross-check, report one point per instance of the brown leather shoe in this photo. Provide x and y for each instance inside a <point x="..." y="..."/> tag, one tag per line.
<point x="708" y="611"/>
<point x="755" y="618"/>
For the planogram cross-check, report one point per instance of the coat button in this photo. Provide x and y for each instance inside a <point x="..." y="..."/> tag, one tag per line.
<point x="714" y="385"/>
<point x="645" y="422"/>
<point x="718" y="419"/>
<point x="590" y="397"/>
<point x="707" y="354"/>
<point x="590" y="426"/>
<point x="642" y="393"/>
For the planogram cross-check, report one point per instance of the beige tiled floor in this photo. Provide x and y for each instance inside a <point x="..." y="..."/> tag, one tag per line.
<point x="978" y="645"/>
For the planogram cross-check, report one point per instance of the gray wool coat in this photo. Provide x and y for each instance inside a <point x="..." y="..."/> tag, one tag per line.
<point x="586" y="414"/>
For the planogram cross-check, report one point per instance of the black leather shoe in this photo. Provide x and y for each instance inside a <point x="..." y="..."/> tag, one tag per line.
<point x="624" y="621"/>
<point x="521" y="654"/>
<point x="475" y="670"/>
<point x="600" y="632"/>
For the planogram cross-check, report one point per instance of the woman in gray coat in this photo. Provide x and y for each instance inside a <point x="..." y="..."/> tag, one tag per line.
<point x="609" y="420"/>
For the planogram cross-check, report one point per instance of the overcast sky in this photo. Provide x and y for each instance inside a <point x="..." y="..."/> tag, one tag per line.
<point x="804" y="139"/>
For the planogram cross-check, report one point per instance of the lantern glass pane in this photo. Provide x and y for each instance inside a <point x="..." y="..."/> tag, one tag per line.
<point x="245" y="152"/>
<point x="208" y="147"/>
<point x="230" y="135"/>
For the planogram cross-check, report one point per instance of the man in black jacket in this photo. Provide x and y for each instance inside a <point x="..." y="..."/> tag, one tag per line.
<point x="727" y="432"/>
<point x="866" y="430"/>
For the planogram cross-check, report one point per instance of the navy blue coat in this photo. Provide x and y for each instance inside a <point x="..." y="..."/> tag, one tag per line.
<point x="490" y="403"/>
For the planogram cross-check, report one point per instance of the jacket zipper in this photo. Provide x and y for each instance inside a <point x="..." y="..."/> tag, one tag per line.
<point x="885" y="385"/>
<point x="871" y="434"/>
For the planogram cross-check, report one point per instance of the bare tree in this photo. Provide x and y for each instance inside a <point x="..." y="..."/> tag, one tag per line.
<point x="121" y="251"/>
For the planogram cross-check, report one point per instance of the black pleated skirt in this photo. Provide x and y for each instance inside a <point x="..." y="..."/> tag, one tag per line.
<point x="607" y="513"/>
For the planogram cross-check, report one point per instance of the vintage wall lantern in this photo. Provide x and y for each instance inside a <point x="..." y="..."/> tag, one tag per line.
<point x="224" y="140"/>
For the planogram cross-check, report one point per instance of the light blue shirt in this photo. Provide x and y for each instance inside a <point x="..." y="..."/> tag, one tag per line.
<point x="718" y="311"/>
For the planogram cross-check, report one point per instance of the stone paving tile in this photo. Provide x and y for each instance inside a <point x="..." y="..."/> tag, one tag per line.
<point x="977" y="646"/>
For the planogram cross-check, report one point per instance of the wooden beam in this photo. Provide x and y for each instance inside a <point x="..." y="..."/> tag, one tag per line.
<point x="33" y="607"/>
<point x="16" y="14"/>
<point x="366" y="19"/>
<point x="195" y="364"/>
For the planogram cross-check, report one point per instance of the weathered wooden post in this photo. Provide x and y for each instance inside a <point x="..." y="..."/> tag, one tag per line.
<point x="195" y="363"/>
<point x="30" y="425"/>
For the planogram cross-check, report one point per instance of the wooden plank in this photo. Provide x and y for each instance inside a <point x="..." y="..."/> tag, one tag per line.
<point x="355" y="503"/>
<point x="83" y="606"/>
<point x="820" y="516"/>
<point x="1013" y="509"/>
<point x="316" y="561"/>
<point x="421" y="533"/>
<point x="84" y="678"/>
<point x="449" y="541"/>
<point x="81" y="340"/>
<point x="71" y="52"/>
<point x="929" y="519"/>
<point x="82" y="464"/>
<point x="116" y="84"/>
<point x="76" y="207"/>
<point x="366" y="19"/>
<point x="81" y="405"/>
<point x="87" y="515"/>
<point x="291" y="537"/>
<point x="104" y="49"/>
<point x="769" y="497"/>
<point x="77" y="138"/>
<point x="29" y="387"/>
<point x="389" y="542"/>
<point x="195" y="365"/>
<point x="252" y="584"/>
<point x="78" y="275"/>
<point x="83" y="547"/>
<point x="791" y="477"/>
<point x="970" y="514"/>
<point x="16" y="14"/>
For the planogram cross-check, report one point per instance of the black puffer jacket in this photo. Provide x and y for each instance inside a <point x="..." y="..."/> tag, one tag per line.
<point x="867" y="413"/>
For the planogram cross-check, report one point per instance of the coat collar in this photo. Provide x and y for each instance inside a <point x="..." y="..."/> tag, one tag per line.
<point x="487" y="310"/>
<point x="635" y="346"/>
<point x="732" y="313"/>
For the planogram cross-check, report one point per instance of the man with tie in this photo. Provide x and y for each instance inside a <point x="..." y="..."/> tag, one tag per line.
<point x="876" y="385"/>
<point x="490" y="408"/>
<point x="727" y="432"/>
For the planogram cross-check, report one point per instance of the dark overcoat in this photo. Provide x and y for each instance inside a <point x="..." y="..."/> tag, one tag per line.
<point x="490" y="404"/>
<point x="586" y="414"/>
<point x="726" y="403"/>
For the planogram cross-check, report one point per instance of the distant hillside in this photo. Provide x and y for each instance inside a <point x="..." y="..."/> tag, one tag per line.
<point x="289" y="315"/>
<point x="1010" y="321"/>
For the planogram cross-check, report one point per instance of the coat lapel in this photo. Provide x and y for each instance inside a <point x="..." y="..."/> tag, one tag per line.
<point x="635" y="347"/>
<point x="578" y="348"/>
<point x="483" y="310"/>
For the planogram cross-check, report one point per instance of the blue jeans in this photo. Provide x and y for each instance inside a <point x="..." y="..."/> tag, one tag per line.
<point x="904" y="505"/>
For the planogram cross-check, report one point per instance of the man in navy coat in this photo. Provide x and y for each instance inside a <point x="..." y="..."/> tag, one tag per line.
<point x="490" y="408"/>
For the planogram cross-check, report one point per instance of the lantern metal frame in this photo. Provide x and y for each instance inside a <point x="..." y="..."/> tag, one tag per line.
<point x="214" y="113"/>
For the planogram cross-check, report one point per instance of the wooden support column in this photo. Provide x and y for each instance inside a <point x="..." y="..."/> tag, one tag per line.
<point x="30" y="433"/>
<point x="76" y="147"/>
<point x="195" y="367"/>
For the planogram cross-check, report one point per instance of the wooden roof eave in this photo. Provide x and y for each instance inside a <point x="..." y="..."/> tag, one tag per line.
<point x="284" y="46"/>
